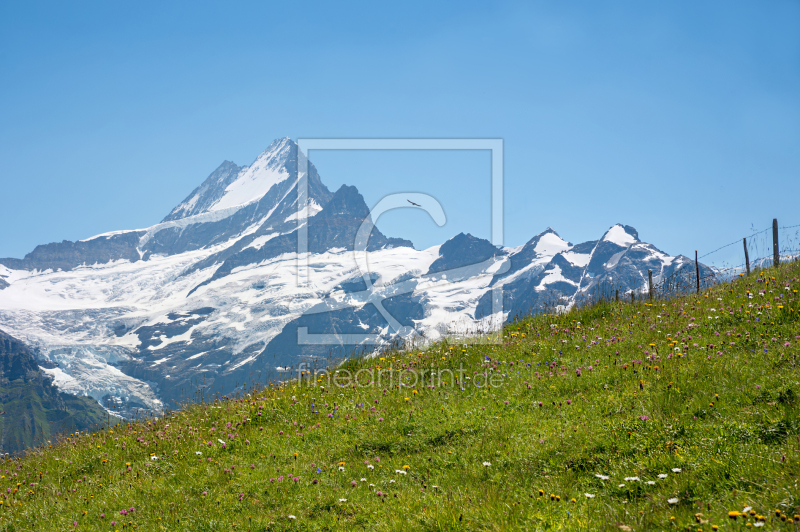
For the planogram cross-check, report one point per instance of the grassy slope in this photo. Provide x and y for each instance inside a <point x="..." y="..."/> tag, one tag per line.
<point x="725" y="416"/>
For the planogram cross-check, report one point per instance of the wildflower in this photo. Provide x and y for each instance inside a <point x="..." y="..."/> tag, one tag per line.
<point x="601" y="477"/>
<point x="342" y="500"/>
<point x="406" y="467"/>
<point x="353" y="483"/>
<point x="291" y="516"/>
<point x="370" y="466"/>
<point x="400" y="471"/>
<point x="363" y="480"/>
<point x="154" y="457"/>
<point x="631" y="479"/>
<point x="644" y="418"/>
<point x="341" y="468"/>
<point x="676" y="469"/>
<point x="590" y="495"/>
<point x="673" y="500"/>
<point x="487" y="464"/>
<point x="663" y="475"/>
<point x="197" y="452"/>
<point x="651" y="483"/>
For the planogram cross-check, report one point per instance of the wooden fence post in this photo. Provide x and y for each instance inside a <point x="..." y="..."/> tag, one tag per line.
<point x="616" y="295"/>
<point x="633" y="298"/>
<point x="746" y="256"/>
<point x="776" y="256"/>
<point x="650" y="283"/>
<point x="697" y="271"/>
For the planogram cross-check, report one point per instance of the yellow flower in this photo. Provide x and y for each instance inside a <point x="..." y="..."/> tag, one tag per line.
<point x="406" y="467"/>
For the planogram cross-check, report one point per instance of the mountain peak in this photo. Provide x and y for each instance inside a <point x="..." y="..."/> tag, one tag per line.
<point x="231" y="186"/>
<point x="621" y="235"/>
<point x="548" y="243"/>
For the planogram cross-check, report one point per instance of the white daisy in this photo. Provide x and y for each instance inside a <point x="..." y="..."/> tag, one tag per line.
<point x="663" y="475"/>
<point x="601" y="477"/>
<point x="591" y="496"/>
<point x="673" y="500"/>
<point x="676" y="469"/>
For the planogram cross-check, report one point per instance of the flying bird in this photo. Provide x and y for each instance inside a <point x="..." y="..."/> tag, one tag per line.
<point x="412" y="203"/>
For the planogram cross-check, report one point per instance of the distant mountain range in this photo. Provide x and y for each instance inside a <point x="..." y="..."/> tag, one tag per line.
<point x="209" y="299"/>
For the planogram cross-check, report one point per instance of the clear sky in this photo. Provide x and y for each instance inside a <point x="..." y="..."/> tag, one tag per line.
<point x="681" y="119"/>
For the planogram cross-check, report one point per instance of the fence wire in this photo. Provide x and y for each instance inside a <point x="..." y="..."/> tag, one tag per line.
<point x="684" y="280"/>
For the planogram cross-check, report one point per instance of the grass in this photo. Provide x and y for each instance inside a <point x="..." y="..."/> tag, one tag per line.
<point x="621" y="416"/>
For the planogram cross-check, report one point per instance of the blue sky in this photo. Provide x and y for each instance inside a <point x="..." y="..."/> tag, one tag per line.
<point x="681" y="119"/>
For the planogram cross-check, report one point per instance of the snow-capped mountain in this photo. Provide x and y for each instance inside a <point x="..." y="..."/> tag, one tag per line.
<point x="210" y="296"/>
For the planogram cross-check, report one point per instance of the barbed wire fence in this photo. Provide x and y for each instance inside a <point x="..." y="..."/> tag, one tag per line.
<point x="757" y="250"/>
<point x="760" y="249"/>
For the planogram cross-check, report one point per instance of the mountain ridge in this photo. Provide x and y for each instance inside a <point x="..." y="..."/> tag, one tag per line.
<point x="209" y="297"/>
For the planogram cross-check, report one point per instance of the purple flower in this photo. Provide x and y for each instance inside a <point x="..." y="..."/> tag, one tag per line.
<point x="644" y="418"/>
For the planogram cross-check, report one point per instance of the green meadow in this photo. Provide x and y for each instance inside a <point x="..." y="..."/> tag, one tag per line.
<point x="675" y="414"/>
